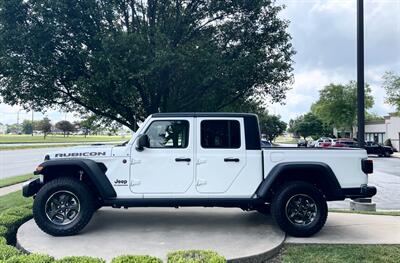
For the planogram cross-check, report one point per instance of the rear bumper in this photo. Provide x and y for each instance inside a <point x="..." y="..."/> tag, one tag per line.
<point x="359" y="192"/>
<point x="31" y="187"/>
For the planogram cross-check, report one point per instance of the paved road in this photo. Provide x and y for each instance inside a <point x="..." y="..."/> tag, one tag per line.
<point x="17" y="162"/>
<point x="386" y="178"/>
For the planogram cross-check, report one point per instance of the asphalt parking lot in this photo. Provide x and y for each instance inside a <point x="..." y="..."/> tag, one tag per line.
<point x="386" y="178"/>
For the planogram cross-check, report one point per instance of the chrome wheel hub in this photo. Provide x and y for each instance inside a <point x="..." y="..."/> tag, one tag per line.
<point x="62" y="207"/>
<point x="301" y="209"/>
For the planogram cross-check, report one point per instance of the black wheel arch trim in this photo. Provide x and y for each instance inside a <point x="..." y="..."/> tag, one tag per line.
<point x="90" y="168"/>
<point x="332" y="189"/>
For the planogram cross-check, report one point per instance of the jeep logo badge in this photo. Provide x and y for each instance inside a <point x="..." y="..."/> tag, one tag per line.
<point x="118" y="182"/>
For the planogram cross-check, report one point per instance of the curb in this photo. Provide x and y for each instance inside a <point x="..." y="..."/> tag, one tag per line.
<point x="262" y="257"/>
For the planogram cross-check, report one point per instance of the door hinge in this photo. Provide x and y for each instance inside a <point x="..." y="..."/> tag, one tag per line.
<point x="201" y="161"/>
<point x="135" y="182"/>
<point x="201" y="182"/>
<point x="135" y="161"/>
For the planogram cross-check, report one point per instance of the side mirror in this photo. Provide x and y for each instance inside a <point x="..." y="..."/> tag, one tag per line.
<point x="142" y="142"/>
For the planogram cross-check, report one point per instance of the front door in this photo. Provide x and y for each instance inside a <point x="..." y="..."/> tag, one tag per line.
<point x="221" y="153"/>
<point x="166" y="166"/>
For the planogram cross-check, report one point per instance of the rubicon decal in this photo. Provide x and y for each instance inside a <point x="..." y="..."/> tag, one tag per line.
<point x="80" y="154"/>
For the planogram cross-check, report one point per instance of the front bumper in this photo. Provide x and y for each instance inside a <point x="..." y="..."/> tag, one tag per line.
<point x="31" y="187"/>
<point x="359" y="192"/>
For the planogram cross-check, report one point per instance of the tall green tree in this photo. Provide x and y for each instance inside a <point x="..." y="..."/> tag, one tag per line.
<point x="44" y="126"/>
<point x="392" y="87"/>
<point x="27" y="127"/>
<point x="308" y="125"/>
<point x="337" y="105"/>
<point x="65" y="126"/>
<point x="125" y="59"/>
<point x="271" y="125"/>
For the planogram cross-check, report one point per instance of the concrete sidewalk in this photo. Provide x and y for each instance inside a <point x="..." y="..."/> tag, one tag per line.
<point x="237" y="235"/>
<point x="343" y="228"/>
<point x="9" y="189"/>
<point x="396" y="154"/>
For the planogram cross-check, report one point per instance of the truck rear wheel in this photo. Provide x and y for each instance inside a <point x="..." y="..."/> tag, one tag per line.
<point x="299" y="209"/>
<point x="63" y="206"/>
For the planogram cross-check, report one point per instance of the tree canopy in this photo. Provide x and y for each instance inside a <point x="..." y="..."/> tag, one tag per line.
<point x="337" y="104"/>
<point x="271" y="125"/>
<point x="126" y="59"/>
<point x="308" y="125"/>
<point x="65" y="126"/>
<point x="44" y="126"/>
<point x="392" y="87"/>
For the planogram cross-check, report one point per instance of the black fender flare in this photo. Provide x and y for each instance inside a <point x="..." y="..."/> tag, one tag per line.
<point x="316" y="172"/>
<point x="89" y="167"/>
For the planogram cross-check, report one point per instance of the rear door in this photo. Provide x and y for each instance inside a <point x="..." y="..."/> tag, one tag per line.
<point x="167" y="165"/>
<point x="221" y="153"/>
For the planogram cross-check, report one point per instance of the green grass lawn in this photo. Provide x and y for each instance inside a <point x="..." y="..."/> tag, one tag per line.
<point x="15" y="180"/>
<point x="59" y="138"/>
<point x="340" y="253"/>
<point x="287" y="140"/>
<point x="14" y="199"/>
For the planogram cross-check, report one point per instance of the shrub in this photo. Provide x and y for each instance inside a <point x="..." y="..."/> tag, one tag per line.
<point x="3" y="241"/>
<point x="31" y="258"/>
<point x="11" y="219"/>
<point x="3" y="231"/>
<point x="136" y="259"/>
<point x="83" y="259"/>
<point x="7" y="252"/>
<point x="23" y="212"/>
<point x="195" y="256"/>
<point x="8" y="220"/>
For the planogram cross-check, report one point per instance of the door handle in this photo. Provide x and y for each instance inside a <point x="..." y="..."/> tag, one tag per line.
<point x="182" y="159"/>
<point x="230" y="159"/>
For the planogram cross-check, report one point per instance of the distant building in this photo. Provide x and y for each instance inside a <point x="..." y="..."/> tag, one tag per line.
<point x="380" y="131"/>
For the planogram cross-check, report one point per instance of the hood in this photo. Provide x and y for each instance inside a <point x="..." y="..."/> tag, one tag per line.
<point x="87" y="152"/>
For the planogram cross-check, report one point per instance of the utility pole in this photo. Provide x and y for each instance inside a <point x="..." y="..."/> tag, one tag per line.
<point x="360" y="74"/>
<point x="32" y="122"/>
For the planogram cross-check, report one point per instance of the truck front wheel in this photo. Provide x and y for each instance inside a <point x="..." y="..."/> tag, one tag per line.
<point x="299" y="209"/>
<point x="63" y="206"/>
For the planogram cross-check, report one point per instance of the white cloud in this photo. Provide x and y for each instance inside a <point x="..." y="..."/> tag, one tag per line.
<point x="324" y="36"/>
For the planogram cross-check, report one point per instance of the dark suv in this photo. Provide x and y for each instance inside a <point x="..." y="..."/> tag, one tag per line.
<point x="378" y="149"/>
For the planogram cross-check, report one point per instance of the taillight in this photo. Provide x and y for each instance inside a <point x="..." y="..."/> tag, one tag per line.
<point x="367" y="166"/>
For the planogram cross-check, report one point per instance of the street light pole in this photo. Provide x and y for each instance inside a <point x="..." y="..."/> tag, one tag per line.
<point x="360" y="73"/>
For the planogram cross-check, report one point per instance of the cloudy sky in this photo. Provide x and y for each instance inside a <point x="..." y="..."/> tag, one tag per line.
<point x="324" y="36"/>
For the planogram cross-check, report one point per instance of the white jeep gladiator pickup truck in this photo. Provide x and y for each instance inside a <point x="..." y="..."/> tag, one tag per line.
<point x="197" y="159"/>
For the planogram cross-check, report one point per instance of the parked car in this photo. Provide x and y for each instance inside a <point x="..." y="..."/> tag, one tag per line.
<point x="324" y="142"/>
<point x="378" y="149"/>
<point x="311" y="144"/>
<point x="346" y="143"/>
<point x="302" y="143"/>
<point x="196" y="159"/>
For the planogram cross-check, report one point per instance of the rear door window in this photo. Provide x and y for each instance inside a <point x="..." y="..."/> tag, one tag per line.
<point x="220" y="134"/>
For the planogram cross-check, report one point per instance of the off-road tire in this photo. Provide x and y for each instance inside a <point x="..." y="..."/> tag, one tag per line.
<point x="80" y="190"/>
<point x="281" y="217"/>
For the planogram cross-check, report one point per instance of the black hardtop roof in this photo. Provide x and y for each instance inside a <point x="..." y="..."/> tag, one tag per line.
<point x="202" y="114"/>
